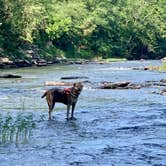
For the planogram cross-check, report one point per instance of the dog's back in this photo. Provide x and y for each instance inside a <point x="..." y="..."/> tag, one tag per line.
<point x="56" y="94"/>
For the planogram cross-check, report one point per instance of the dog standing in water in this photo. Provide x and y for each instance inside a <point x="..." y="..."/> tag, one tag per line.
<point x="67" y="96"/>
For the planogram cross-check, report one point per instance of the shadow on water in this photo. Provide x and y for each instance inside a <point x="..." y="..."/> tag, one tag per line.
<point x="113" y="127"/>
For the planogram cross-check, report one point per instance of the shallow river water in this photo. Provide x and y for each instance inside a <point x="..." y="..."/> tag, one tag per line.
<point x="113" y="127"/>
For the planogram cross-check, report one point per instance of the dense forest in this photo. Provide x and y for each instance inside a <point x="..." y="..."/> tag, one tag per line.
<point x="132" y="29"/>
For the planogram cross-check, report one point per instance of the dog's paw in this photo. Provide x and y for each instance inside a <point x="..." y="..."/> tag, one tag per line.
<point x="67" y="119"/>
<point x="73" y="118"/>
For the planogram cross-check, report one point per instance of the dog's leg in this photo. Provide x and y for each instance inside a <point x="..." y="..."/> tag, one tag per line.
<point x="68" y="111"/>
<point x="72" y="113"/>
<point x="49" y="113"/>
<point x="50" y="109"/>
<point x="51" y="103"/>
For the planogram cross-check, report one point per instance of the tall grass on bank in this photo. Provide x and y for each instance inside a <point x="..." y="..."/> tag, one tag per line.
<point x="161" y="68"/>
<point x="16" y="129"/>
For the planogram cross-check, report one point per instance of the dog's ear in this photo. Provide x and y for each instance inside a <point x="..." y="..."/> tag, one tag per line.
<point x="77" y="84"/>
<point x="81" y="83"/>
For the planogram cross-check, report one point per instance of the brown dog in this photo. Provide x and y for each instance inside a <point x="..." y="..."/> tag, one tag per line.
<point x="66" y="96"/>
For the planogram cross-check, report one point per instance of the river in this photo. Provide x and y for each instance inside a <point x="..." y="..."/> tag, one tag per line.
<point x="113" y="127"/>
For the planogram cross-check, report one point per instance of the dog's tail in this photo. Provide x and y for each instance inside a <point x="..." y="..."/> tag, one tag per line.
<point x="44" y="95"/>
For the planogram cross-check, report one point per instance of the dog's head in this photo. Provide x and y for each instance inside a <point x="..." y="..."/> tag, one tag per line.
<point x="77" y="88"/>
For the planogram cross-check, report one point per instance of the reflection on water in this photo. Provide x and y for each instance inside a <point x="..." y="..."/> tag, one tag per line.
<point x="113" y="127"/>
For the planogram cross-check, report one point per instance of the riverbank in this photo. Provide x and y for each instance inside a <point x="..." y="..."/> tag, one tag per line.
<point x="5" y="63"/>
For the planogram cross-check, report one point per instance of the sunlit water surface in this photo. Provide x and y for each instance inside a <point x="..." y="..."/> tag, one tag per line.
<point x="113" y="127"/>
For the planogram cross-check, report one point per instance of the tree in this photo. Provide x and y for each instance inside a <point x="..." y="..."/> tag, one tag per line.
<point x="133" y="29"/>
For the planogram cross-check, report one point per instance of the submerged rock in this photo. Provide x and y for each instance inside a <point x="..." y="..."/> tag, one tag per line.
<point x="163" y="80"/>
<point x="23" y="63"/>
<point x="163" y="92"/>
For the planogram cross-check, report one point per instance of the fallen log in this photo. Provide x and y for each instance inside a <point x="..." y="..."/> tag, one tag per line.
<point x="52" y="83"/>
<point x="129" y="85"/>
<point x="74" y="77"/>
<point x="114" y="85"/>
<point x="10" y="76"/>
<point x="133" y="86"/>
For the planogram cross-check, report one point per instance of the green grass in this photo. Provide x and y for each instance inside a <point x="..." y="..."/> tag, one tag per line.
<point x="107" y="60"/>
<point x="163" y="67"/>
<point x="158" y="68"/>
<point x="16" y="129"/>
<point x="115" y="59"/>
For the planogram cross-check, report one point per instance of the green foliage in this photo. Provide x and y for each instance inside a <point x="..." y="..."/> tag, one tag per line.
<point x="51" y="53"/>
<point x="133" y="29"/>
